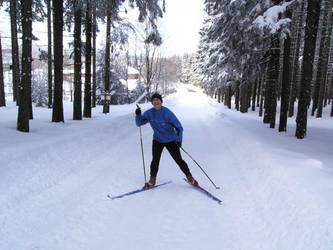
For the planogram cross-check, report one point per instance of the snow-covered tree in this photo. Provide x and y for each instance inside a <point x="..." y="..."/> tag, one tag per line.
<point x="256" y="47"/>
<point x="39" y="92"/>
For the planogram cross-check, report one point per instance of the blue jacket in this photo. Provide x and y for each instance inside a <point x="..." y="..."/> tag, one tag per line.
<point x="165" y="124"/>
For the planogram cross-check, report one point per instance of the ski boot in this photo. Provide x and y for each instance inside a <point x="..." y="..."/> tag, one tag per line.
<point x="151" y="183"/>
<point x="192" y="181"/>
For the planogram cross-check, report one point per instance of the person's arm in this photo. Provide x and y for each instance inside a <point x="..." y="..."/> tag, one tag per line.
<point x="141" y="119"/>
<point x="177" y="125"/>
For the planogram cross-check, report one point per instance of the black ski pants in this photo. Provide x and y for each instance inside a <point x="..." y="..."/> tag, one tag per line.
<point x="174" y="151"/>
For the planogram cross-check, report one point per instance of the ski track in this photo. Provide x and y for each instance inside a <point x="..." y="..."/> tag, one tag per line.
<point x="56" y="187"/>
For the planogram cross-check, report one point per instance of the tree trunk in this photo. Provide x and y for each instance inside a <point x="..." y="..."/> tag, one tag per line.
<point x="49" y="53"/>
<point x="94" y="55"/>
<point x="248" y="95"/>
<point x="254" y="94"/>
<point x="285" y="91"/>
<point x="295" y="62"/>
<point x="330" y="95"/>
<point x="263" y="91"/>
<point x="15" y="49"/>
<point x="24" y="110"/>
<point x="327" y="89"/>
<point x="327" y="32"/>
<point x="271" y="83"/>
<point x="266" y="107"/>
<point x="77" y="104"/>
<point x="222" y="95"/>
<point x="311" y="28"/>
<point x="225" y="93"/>
<point x="243" y="98"/>
<point x="237" y="95"/>
<point x="87" y="84"/>
<point x="2" y="85"/>
<point x="58" y="113"/>
<point x="275" y="79"/>
<point x="321" y="59"/>
<point x="331" y="105"/>
<point x="229" y="96"/>
<point x="259" y="91"/>
<point x="106" y="106"/>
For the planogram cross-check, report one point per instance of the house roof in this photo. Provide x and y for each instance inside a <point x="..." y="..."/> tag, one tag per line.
<point x="132" y="71"/>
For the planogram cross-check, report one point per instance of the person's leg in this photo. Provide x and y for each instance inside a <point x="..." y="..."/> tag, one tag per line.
<point x="157" y="149"/>
<point x="174" y="151"/>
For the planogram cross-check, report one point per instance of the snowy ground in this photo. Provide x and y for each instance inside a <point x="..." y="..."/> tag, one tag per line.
<point x="277" y="190"/>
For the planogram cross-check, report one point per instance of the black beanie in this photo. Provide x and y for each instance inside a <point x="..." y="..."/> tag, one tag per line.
<point x="156" y="95"/>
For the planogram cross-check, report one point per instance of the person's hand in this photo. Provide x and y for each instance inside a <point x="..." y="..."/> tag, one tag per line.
<point x="138" y="111"/>
<point x="179" y="144"/>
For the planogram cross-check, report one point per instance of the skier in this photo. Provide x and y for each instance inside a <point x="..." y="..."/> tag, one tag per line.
<point x="168" y="132"/>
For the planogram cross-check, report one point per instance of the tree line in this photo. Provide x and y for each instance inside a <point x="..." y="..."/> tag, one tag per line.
<point x="82" y="17"/>
<point x="260" y="53"/>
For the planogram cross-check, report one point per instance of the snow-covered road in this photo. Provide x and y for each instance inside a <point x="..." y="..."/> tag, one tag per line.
<point x="277" y="190"/>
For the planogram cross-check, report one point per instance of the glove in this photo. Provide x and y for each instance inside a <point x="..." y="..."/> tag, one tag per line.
<point x="179" y="144"/>
<point x="138" y="111"/>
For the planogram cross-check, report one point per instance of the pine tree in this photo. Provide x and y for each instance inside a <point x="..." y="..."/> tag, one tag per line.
<point x="285" y="91"/>
<point x="15" y="48"/>
<point x="24" y="109"/>
<point x="262" y="94"/>
<point x="331" y="92"/>
<point x="243" y="97"/>
<point x="58" y="113"/>
<point x="94" y="28"/>
<point x="77" y="103"/>
<point x="326" y="34"/>
<point x="259" y="91"/>
<point x="272" y="82"/>
<point x="87" y="84"/>
<point x="106" y="105"/>
<point x="49" y="53"/>
<point x="322" y="56"/>
<point x="229" y="96"/>
<point x="2" y="85"/>
<point x="254" y="94"/>
<point x="311" y="28"/>
<point x="295" y="59"/>
<point x="274" y="78"/>
<point x="237" y="94"/>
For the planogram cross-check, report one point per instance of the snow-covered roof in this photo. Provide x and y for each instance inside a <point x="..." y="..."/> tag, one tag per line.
<point x="132" y="71"/>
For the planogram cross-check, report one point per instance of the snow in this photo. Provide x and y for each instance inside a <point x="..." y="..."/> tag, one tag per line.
<point x="276" y="189"/>
<point x="132" y="83"/>
<point x="270" y="18"/>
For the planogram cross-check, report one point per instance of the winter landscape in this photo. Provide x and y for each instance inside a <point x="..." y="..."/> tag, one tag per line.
<point x="239" y="92"/>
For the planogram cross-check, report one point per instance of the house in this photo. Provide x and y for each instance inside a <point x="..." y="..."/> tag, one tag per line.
<point x="133" y="77"/>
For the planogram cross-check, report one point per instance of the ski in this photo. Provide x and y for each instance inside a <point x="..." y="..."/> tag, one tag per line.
<point x="204" y="191"/>
<point x="137" y="191"/>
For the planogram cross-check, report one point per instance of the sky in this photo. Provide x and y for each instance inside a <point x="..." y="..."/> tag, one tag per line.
<point x="179" y="28"/>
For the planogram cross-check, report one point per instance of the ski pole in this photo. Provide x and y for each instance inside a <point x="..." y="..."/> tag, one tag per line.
<point x="200" y="168"/>
<point x="143" y="156"/>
